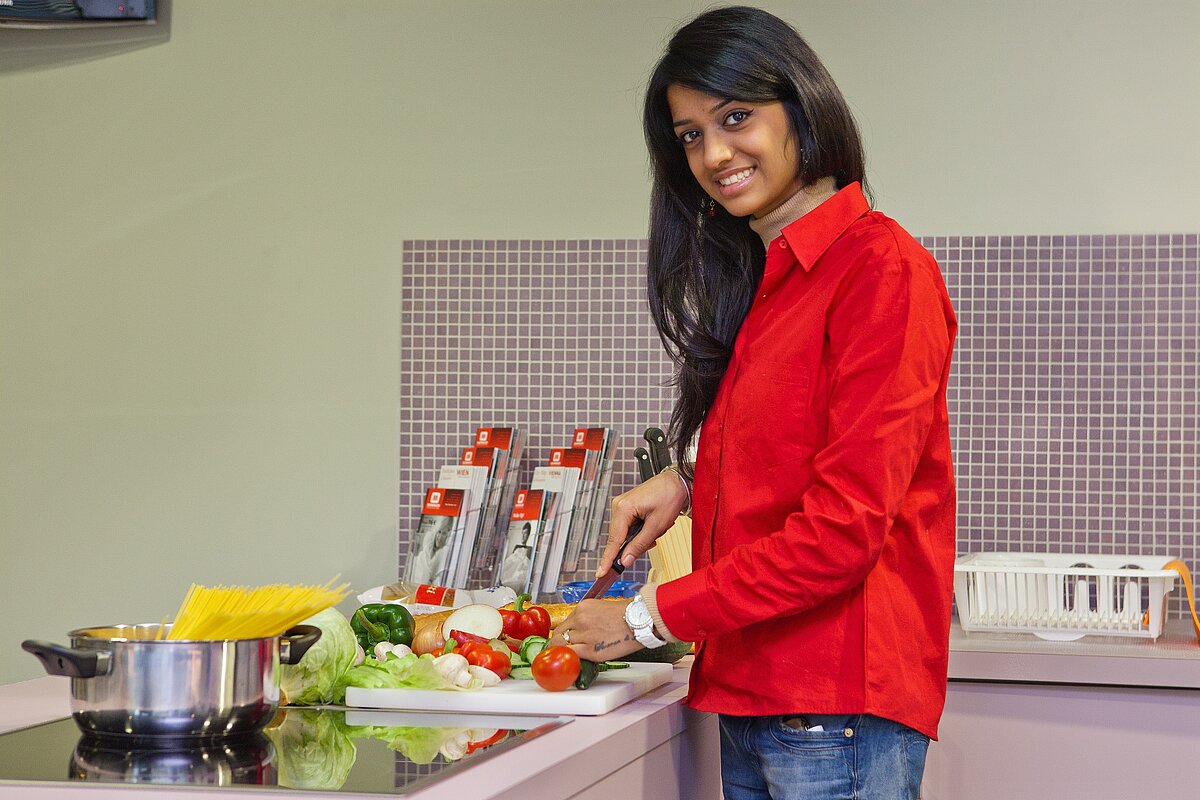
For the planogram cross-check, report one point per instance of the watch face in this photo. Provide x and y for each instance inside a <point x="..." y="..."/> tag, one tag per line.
<point x="636" y="614"/>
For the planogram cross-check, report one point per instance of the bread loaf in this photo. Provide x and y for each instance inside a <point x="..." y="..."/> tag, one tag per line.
<point x="557" y="611"/>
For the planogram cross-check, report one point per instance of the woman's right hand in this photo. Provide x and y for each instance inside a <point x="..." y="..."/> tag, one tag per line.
<point x="658" y="501"/>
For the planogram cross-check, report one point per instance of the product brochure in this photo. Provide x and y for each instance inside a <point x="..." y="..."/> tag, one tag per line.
<point x="564" y="482"/>
<point x="474" y="481"/>
<point x="597" y="442"/>
<point x="439" y="529"/>
<point x="506" y="444"/>
<point x="575" y="458"/>
<point x="530" y="511"/>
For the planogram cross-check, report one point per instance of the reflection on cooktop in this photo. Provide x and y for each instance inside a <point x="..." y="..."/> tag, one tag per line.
<point x="328" y="749"/>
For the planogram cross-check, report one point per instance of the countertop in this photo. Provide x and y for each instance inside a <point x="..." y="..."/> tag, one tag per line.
<point x="1171" y="662"/>
<point x="621" y="753"/>
<point x="626" y="751"/>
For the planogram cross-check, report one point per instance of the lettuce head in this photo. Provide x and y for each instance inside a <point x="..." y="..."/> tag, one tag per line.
<point x="315" y="680"/>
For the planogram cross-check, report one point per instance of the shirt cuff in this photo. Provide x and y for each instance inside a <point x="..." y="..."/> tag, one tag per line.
<point x="649" y="594"/>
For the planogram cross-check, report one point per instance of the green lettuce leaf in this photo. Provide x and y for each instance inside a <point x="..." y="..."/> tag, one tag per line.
<point x="406" y="672"/>
<point x="420" y="745"/>
<point x="313" y="750"/>
<point x="316" y="678"/>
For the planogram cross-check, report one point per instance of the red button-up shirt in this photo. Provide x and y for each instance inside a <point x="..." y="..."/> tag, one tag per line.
<point x="823" y="533"/>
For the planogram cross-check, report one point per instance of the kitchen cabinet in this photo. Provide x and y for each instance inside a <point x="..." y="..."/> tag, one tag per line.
<point x="1100" y="717"/>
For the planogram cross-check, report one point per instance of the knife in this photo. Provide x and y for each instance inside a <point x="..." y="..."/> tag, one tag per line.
<point x="645" y="468"/>
<point x="605" y="581"/>
<point x="660" y="454"/>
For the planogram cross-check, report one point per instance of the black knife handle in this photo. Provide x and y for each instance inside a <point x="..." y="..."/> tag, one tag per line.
<point x="645" y="468"/>
<point x="634" y="530"/>
<point x="660" y="453"/>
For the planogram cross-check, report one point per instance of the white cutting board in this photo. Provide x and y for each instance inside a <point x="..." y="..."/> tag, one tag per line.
<point x="611" y="689"/>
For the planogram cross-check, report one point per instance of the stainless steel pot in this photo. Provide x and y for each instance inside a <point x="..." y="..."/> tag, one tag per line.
<point x="239" y="760"/>
<point x="126" y="681"/>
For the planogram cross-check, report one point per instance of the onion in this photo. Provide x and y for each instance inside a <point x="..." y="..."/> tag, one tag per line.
<point x="477" y="618"/>
<point x="428" y="640"/>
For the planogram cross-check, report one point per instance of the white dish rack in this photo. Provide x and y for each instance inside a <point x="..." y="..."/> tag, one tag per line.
<point x="1063" y="596"/>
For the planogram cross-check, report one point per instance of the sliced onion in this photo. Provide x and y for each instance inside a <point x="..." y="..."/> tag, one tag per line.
<point x="477" y="618"/>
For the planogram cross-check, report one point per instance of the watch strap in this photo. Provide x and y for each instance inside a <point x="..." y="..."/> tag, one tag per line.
<point x="643" y="630"/>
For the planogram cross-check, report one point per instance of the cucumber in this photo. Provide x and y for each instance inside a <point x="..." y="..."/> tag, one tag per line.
<point x="521" y="673"/>
<point x="531" y="646"/>
<point x="669" y="653"/>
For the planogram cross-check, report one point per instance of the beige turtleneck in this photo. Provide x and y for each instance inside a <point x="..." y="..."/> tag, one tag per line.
<point x="811" y="195"/>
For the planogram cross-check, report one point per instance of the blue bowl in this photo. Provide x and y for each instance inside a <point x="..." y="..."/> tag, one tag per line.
<point x="573" y="592"/>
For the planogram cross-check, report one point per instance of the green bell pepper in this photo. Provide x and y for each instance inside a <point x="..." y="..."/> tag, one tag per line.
<point x="382" y="622"/>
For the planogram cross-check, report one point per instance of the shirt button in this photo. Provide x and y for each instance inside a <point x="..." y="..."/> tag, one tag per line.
<point x="783" y="245"/>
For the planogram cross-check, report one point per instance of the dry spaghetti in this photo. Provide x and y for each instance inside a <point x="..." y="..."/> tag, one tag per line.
<point x="240" y="612"/>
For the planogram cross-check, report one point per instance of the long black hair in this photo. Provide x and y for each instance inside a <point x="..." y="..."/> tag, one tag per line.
<point x="704" y="267"/>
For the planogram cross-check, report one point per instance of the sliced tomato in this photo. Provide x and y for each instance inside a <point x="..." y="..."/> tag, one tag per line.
<point x="483" y="655"/>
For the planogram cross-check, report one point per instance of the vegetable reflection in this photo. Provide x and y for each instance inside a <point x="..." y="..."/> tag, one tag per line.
<point x="315" y="749"/>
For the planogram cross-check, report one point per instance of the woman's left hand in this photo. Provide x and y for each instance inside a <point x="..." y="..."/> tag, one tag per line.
<point x="596" y="630"/>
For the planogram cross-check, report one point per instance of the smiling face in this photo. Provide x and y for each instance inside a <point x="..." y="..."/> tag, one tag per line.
<point x="743" y="155"/>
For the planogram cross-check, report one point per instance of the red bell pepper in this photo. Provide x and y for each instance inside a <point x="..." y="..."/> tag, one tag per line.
<point x="498" y="736"/>
<point x="522" y="621"/>
<point x="462" y="637"/>
<point x="511" y="619"/>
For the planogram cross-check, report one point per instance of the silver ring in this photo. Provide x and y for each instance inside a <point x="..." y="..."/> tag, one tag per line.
<point x="567" y="635"/>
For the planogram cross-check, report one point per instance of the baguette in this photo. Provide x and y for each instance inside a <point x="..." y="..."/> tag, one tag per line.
<point x="557" y="611"/>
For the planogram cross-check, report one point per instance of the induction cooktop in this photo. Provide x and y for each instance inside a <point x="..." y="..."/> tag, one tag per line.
<point x="328" y="749"/>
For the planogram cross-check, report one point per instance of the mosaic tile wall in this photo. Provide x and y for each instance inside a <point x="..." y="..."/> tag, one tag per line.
<point x="1074" y="392"/>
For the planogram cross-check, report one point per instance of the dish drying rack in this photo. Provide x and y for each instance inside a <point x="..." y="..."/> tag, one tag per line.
<point x="1063" y="596"/>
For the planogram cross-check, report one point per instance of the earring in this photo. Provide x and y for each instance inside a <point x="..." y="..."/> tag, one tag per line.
<point x="712" y="208"/>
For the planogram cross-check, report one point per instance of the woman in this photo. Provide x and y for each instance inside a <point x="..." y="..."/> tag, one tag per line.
<point x="812" y="338"/>
<point x="514" y="570"/>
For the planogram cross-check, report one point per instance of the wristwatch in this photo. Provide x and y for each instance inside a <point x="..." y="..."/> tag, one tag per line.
<point x="637" y="617"/>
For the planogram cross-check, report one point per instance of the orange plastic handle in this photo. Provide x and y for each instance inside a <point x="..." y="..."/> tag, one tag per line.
<point x="1182" y="569"/>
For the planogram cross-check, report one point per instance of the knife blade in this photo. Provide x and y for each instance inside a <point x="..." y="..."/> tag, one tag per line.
<point x="645" y="468"/>
<point x="660" y="454"/>
<point x="605" y="581"/>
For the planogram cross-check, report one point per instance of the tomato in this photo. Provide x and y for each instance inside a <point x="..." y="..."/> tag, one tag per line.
<point x="556" y="668"/>
<point x="482" y="655"/>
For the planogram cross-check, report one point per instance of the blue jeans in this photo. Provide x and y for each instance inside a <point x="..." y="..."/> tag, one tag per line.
<point x="820" y="757"/>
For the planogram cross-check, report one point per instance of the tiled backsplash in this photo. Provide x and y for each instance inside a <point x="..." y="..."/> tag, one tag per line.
<point x="1073" y="394"/>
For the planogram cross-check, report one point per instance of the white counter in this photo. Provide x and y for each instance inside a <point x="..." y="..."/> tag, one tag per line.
<point x="1170" y="662"/>
<point x="650" y="747"/>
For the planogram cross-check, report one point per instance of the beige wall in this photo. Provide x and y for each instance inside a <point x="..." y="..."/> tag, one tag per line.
<point x="201" y="231"/>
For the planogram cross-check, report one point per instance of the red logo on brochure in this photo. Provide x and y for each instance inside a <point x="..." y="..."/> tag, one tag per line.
<point x="568" y="457"/>
<point x="494" y="437"/>
<point x="589" y="438"/>
<point x="528" y="504"/>
<point x="443" y="502"/>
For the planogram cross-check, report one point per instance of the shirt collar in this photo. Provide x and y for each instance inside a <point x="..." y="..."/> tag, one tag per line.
<point x="812" y="234"/>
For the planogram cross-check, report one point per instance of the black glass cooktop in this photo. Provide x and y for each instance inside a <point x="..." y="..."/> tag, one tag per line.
<point x="328" y="749"/>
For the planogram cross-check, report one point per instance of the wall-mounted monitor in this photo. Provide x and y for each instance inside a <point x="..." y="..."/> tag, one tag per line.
<point x="72" y="13"/>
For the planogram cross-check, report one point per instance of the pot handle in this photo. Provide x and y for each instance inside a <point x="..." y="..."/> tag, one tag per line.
<point x="59" y="660"/>
<point x="295" y="641"/>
